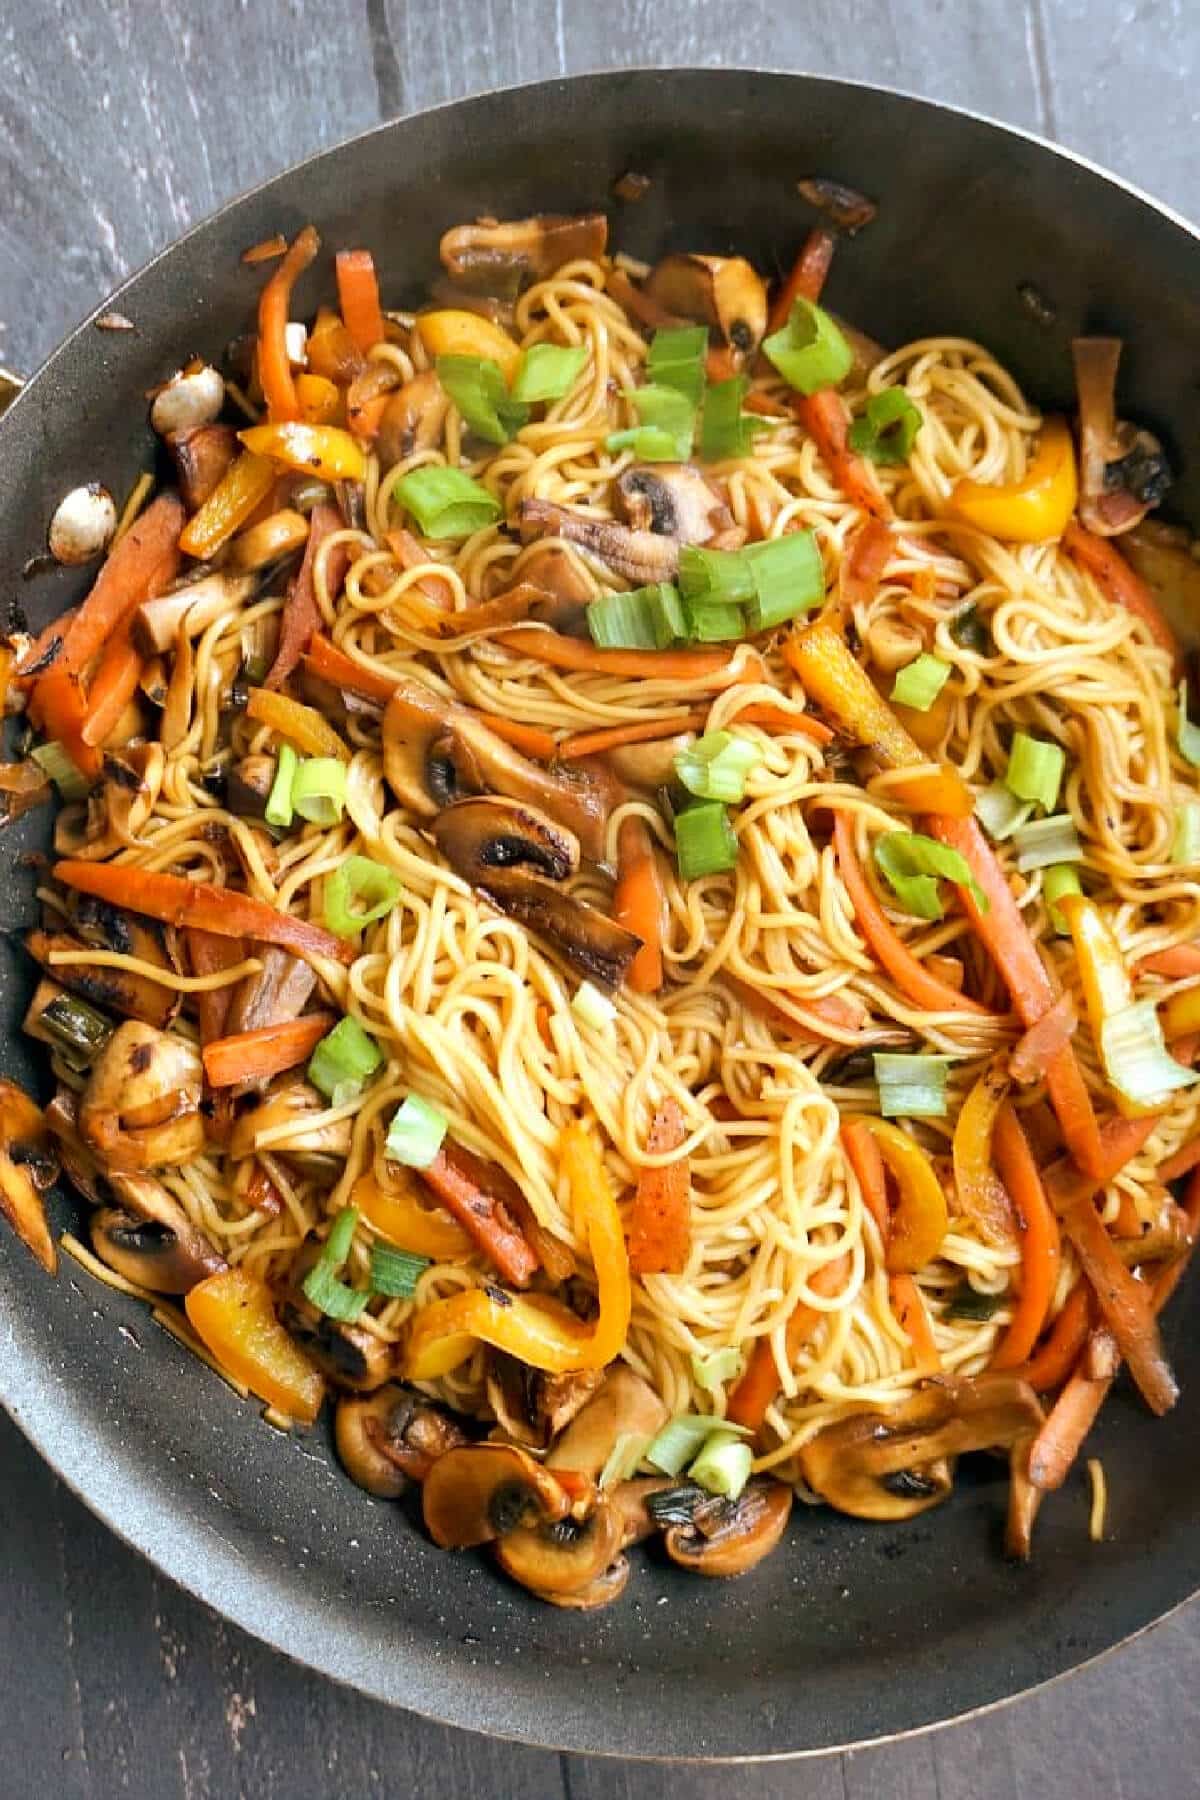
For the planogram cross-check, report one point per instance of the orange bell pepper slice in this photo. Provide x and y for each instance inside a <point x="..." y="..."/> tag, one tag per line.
<point x="301" y="725"/>
<point x="921" y="1219"/>
<point x="238" y="494"/>
<point x="1035" y="508"/>
<point x="233" y="1315"/>
<point x="979" y="1191"/>
<point x="274" y="365"/>
<point x="398" y="1215"/>
<point x="325" y="451"/>
<point x="453" y="333"/>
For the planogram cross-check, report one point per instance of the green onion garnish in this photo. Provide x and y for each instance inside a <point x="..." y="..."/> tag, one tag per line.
<point x="322" y="1286"/>
<point x="344" y="1061"/>
<point x="705" y="841"/>
<point x="715" y="766"/>
<point x="319" y="789"/>
<point x="478" y="389"/>
<point x="1185" y="847"/>
<point x="810" y="352"/>
<point x="675" y="359"/>
<point x="1035" y="770"/>
<point x="357" y="893"/>
<point x="888" y="429"/>
<point x="415" y="1133"/>
<point x="623" y="1459"/>
<point x="723" y="1465"/>
<point x="911" y="1087"/>
<point x="54" y="761"/>
<point x="1000" y="812"/>
<point x="967" y="1302"/>
<point x="717" y="1369"/>
<point x="77" y="1027"/>
<point x="395" y="1273"/>
<point x="789" y="578"/>
<point x="667" y="428"/>
<point x="1059" y="880"/>
<point x="725" y="430"/>
<point x="648" y="618"/>
<point x="278" y="810"/>
<point x="913" y="865"/>
<point x="548" y="371"/>
<point x="714" y="622"/>
<point x="919" y="683"/>
<point x="1046" y="841"/>
<point x="682" y="1438"/>
<point x="1187" y="735"/>
<point x="1135" y="1056"/>
<point x="592" y="1007"/>
<point x="721" y="577"/>
<point x="445" y="502"/>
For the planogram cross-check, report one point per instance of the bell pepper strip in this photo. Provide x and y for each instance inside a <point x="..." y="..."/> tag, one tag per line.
<point x="177" y="901"/>
<point x="921" y="1218"/>
<point x="907" y="971"/>
<point x="1107" y="988"/>
<point x="330" y="664"/>
<point x="238" y="494"/>
<point x="320" y="399"/>
<point x="1180" y="1018"/>
<point x="537" y="1330"/>
<point x="461" y="1184"/>
<point x="759" y="1385"/>
<point x="980" y="1194"/>
<point x="301" y="725"/>
<point x="927" y="729"/>
<point x="912" y="1315"/>
<point x="358" y="296"/>
<point x="825" y="417"/>
<point x="1032" y="1053"/>
<point x="209" y="954"/>
<point x="639" y="903"/>
<point x="233" y="1315"/>
<point x="660" y="1224"/>
<point x="398" y="1215"/>
<point x="1050" y="1365"/>
<point x="274" y="364"/>
<point x="265" y="1051"/>
<point x="1123" y="1303"/>
<point x="707" y="668"/>
<point x="113" y="685"/>
<point x="1038" y="1233"/>
<point x="453" y="333"/>
<point x="1003" y="934"/>
<point x="324" y="451"/>
<point x="1032" y="510"/>
<point x="806" y="277"/>
<point x="1121" y="585"/>
<point x="1179" y="963"/>
<point x="301" y="614"/>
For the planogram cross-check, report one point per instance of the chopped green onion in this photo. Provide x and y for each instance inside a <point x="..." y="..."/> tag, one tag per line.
<point x="971" y="632"/>
<point x="54" y="761"/>
<point x="77" y="1027"/>
<point x="705" y="841"/>
<point x="788" y="576"/>
<point x="322" y="1286"/>
<point x="1059" y="880"/>
<point x="718" y="576"/>
<point x="715" y="766"/>
<point x="548" y="371"/>
<point x="1035" y="770"/>
<point x="667" y="428"/>
<point x="592" y="1007"/>
<point x="810" y="352"/>
<point x="343" y="1061"/>
<point x="888" y="430"/>
<point x="278" y="810"/>
<point x="714" y="622"/>
<point x="357" y="893"/>
<point x="967" y="1302"/>
<point x="682" y="1438"/>
<point x="648" y="618"/>
<point x="911" y="1087"/>
<point x="623" y="1458"/>
<point x="724" y="1465"/>
<point x="1135" y="1056"/>
<point x="478" y="389"/>
<point x="1187" y="735"/>
<point x="319" y="790"/>
<point x="1046" y="841"/>
<point x="415" y="1133"/>
<point x="913" y="865"/>
<point x="717" y="1369"/>
<point x="648" y="443"/>
<point x="445" y="502"/>
<point x="675" y="359"/>
<point x="725" y="430"/>
<point x="1185" y="847"/>
<point x="1000" y="812"/>
<point x="919" y="683"/>
<point x="395" y="1273"/>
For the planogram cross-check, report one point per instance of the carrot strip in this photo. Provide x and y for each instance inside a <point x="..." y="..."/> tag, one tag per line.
<point x="759" y="1384"/>
<point x="209" y="954"/>
<point x="1067" y="1424"/>
<point x="867" y="1163"/>
<point x="867" y="556"/>
<point x="178" y="901"/>
<point x="826" y="420"/>
<point x="1049" y="1367"/>
<point x="1067" y="1184"/>
<point x="410" y="554"/>
<point x="1176" y="964"/>
<point x="267" y="1050"/>
<point x="45" y="650"/>
<point x="1041" y="1248"/>
<point x="301" y="614"/>
<point x="530" y="739"/>
<point x="909" y="974"/>
<point x="913" y="1317"/>
<point x="711" y="668"/>
<point x="358" y="296"/>
<point x="1120" y="585"/>
<point x="639" y="903"/>
<point x="274" y="367"/>
<point x="807" y="276"/>
<point x="838" y="1010"/>
<point x="113" y="685"/>
<point x="612" y="737"/>
<point x="1033" y="1053"/>
<point x="328" y="663"/>
<point x="461" y="1182"/>
<point x="1184" y="1160"/>
<point x="660" y="1224"/>
<point x="267" y="251"/>
<point x="1124" y="1304"/>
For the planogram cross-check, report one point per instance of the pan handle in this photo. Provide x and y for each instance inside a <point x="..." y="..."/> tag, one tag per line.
<point x="10" y="387"/>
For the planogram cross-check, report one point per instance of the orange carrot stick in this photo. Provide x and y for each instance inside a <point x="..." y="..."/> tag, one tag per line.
<point x="913" y="1316"/>
<point x="1177" y="964"/>
<point x="1185" y="1159"/>
<point x="759" y="1384"/>
<point x="710" y="668"/>
<point x="807" y="276"/>
<point x="1049" y="1366"/>
<point x="330" y="664"/>
<point x="113" y="685"/>
<point x="530" y="739"/>
<point x="1119" y="584"/>
<point x="649" y="731"/>
<point x="1123" y="1301"/>
<point x="274" y="366"/>
<point x="267" y="1050"/>
<point x="1067" y="1424"/>
<point x="358" y="295"/>
<point x="660" y="1225"/>
<point x="826" y="420"/>
<point x="1039" y="1235"/>
<point x="639" y="903"/>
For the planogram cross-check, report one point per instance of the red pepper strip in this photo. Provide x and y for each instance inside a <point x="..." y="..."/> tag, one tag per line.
<point x="274" y="365"/>
<point x="1041" y="1248"/>
<point x="1120" y="584"/>
<point x="358" y="293"/>
<point x="301" y="614"/>
<point x="455" y="1177"/>
<point x="660" y="1225"/>
<point x="807" y="276"/>
<point x="825" y="418"/>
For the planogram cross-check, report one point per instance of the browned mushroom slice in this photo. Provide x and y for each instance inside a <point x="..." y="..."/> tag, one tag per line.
<point x="156" y="622"/>
<point x="590" y="941"/>
<point x="203" y="456"/>
<point x="1122" y="471"/>
<point x="623" y="1406"/>
<point x="79" y="1165"/>
<point x="279" y="992"/>
<point x="140" y="1108"/>
<point x="117" y="989"/>
<point x="533" y="1406"/>
<point x="845" y="209"/>
<point x="501" y="258"/>
<point x="485" y="1491"/>
<point x="650" y="766"/>
<point x="1162" y="556"/>
<point x="348" y="1354"/>
<point x="631" y="1497"/>
<point x="890" y="1465"/>
<point x="392" y="1437"/>
<point x="1163" y="1238"/>
<point x="413" y="419"/>
<point x="567" y="588"/>
<point x="487" y="835"/>
<point x="1024" y="1500"/>
<point x="563" y="1556"/>
<point x="674" y="500"/>
<point x="150" y="1240"/>
<point x="606" y="1588"/>
<point x="249" y="785"/>
<point x="27" y="1165"/>
<point x="727" y="1537"/>
<point x="722" y="292"/>
<point x="316" y="1149"/>
<point x="642" y="557"/>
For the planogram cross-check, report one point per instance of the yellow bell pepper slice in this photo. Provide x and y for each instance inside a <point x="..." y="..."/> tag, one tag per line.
<point x="537" y="1330"/>
<point x="1102" y="971"/>
<point x="398" y="1215"/>
<point x="325" y="451"/>
<point x="320" y="400"/>
<point x="454" y="333"/>
<point x="921" y="1219"/>
<point x="241" y="489"/>
<point x="1180" y="1014"/>
<point x="233" y="1315"/>
<point x="980" y="1191"/>
<point x="301" y="725"/>
<point x="1032" y="510"/>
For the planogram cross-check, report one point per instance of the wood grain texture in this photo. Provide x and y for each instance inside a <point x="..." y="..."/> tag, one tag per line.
<point x="122" y="124"/>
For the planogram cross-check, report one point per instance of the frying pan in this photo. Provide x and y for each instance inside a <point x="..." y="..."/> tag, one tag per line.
<point x="850" y="1631"/>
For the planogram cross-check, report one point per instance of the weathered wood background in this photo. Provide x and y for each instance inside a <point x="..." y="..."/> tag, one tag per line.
<point x="122" y="123"/>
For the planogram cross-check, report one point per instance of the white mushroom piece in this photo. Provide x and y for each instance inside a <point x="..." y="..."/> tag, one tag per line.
<point x="83" y="525"/>
<point x="191" y="398"/>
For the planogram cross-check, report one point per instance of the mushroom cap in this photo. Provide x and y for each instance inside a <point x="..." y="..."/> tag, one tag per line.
<point x="413" y="418"/>
<point x="623" y="1406"/>
<point x="606" y="1588"/>
<point x="140" y="1108"/>
<point x="481" y="836"/>
<point x="735" y="1535"/>
<point x="500" y="256"/>
<point x="485" y="1491"/>
<point x="563" y="1556"/>
<point x="674" y="500"/>
<point x="188" y="401"/>
<point x="391" y="1437"/>
<point x="143" y="1251"/>
<point x="722" y="292"/>
<point x="83" y="524"/>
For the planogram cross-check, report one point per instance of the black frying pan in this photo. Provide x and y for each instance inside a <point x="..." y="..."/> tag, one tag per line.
<point x="850" y="1631"/>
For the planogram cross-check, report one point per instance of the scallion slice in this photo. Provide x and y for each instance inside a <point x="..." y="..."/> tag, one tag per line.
<point x="278" y="810"/>
<point x="624" y="1457"/>
<point x="647" y="618"/>
<point x="725" y="430"/>
<point x="1185" y="847"/>
<point x="913" y="865"/>
<point x="810" y="352"/>
<point x="53" y="760"/>
<point x="919" y="683"/>
<point x="1046" y="841"/>
<point x="715" y="766"/>
<point x="478" y="389"/>
<point x="1187" y="735"/>
<point x="319" y="789"/>
<point x="357" y="893"/>
<point x="705" y="841"/>
<point x="395" y="1273"/>
<point x="675" y="359"/>
<point x="1059" y="880"/>
<point x="721" y="577"/>
<point x="888" y="428"/>
<point x="344" y="1061"/>
<point x="1135" y="1056"/>
<point x="1000" y="812"/>
<point x="1035" y="770"/>
<point x="591" y="1007"/>
<point x="667" y="427"/>
<point x="446" y="503"/>
<point x="967" y="1302"/>
<point x="788" y="577"/>
<point x="548" y="371"/>
<point x="78" y="1028"/>
<point x="717" y="1369"/>
<point x="723" y="1465"/>
<point x="682" y="1438"/>
<point x="911" y="1087"/>
<point x="415" y="1133"/>
<point x="322" y="1285"/>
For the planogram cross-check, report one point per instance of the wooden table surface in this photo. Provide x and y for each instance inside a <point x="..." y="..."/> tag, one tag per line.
<point x="122" y="123"/>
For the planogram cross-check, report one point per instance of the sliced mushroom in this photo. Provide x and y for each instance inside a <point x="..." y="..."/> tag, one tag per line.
<point x="1164" y="1237"/>
<point x="111" y="927"/>
<point x="348" y="1354"/>
<point x="672" y="500"/>
<point x="83" y="525"/>
<point x="313" y="1149"/>
<point x="624" y="1406"/>
<point x="203" y="456"/>
<point x="1122" y="471"/>
<point x="892" y="644"/>
<point x="606" y="1588"/>
<point x="631" y="1497"/>
<point x="279" y="992"/>
<point x="249" y="786"/>
<point x="132" y="784"/>
<point x="491" y="257"/>
<point x="413" y="419"/>
<point x="27" y="1166"/>
<point x="565" y="584"/>
<point x="563" y="1556"/>
<point x="391" y="1438"/>
<point x="846" y="210"/>
<point x="156" y="622"/>
<point x="189" y="399"/>
<point x="722" y="292"/>
<point x="482" y="836"/>
<point x="281" y="534"/>
<point x="642" y="557"/>
<point x="485" y="1491"/>
<point x="79" y="1165"/>
<point x="890" y="1465"/>
<point x="728" y="1537"/>
<point x="136" y="996"/>
<point x="140" y="1108"/>
<point x="651" y="765"/>
<point x="532" y="1406"/>
<point x="1162" y="556"/>
<point x="149" y="1239"/>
